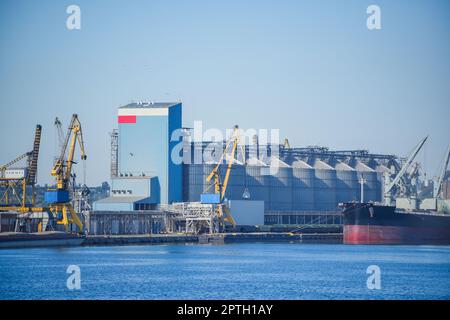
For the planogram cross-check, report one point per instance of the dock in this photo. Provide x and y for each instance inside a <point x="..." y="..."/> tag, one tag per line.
<point x="222" y="238"/>
<point x="138" y="239"/>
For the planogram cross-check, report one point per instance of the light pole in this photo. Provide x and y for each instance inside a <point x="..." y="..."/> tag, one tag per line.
<point x="362" y="181"/>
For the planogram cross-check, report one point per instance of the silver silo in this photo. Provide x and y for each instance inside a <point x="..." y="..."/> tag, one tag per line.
<point x="346" y="183"/>
<point x="324" y="187"/>
<point x="303" y="176"/>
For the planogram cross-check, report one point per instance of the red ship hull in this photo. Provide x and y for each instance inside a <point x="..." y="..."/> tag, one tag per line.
<point x="372" y="234"/>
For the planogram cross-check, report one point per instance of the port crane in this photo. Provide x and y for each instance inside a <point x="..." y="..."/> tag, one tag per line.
<point x="438" y="184"/>
<point x="58" y="199"/>
<point x="399" y="186"/>
<point x="222" y="211"/>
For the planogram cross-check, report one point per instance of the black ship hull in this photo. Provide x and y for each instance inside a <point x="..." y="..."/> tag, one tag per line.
<point x="366" y="223"/>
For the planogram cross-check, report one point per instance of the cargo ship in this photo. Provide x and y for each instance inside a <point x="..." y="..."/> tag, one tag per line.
<point x="369" y="223"/>
<point x="39" y="239"/>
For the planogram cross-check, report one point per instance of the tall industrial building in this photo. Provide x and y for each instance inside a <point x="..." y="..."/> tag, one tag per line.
<point x="143" y="173"/>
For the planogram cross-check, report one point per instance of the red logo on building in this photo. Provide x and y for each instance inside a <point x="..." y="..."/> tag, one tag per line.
<point x="127" y="119"/>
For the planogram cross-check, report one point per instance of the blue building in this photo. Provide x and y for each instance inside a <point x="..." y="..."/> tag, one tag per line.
<point x="147" y="174"/>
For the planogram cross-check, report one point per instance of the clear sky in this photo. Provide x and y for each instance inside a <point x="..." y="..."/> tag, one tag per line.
<point x="310" y="68"/>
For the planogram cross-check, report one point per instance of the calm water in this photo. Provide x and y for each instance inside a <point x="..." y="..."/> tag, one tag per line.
<point x="234" y="271"/>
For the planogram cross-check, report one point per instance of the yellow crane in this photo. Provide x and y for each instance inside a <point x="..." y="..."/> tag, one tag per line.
<point x="59" y="199"/>
<point x="222" y="211"/>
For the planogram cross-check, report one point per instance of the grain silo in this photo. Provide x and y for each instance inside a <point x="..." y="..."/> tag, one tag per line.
<point x="256" y="181"/>
<point x="298" y="184"/>
<point x="371" y="182"/>
<point x="279" y="175"/>
<point x="324" y="186"/>
<point x="346" y="183"/>
<point x="303" y="176"/>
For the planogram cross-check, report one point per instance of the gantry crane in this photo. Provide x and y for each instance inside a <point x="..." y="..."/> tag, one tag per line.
<point x="222" y="211"/>
<point x="59" y="199"/>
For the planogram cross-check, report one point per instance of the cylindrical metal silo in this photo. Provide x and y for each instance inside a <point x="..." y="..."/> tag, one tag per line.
<point x="257" y="184"/>
<point x="371" y="186"/>
<point x="302" y="187"/>
<point x="236" y="182"/>
<point x="325" y="188"/>
<point x="346" y="185"/>
<point x="280" y="181"/>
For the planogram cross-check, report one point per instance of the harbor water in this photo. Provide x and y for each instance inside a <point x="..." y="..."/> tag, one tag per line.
<point x="230" y="271"/>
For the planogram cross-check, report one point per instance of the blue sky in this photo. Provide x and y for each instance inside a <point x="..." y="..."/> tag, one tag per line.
<point x="310" y="68"/>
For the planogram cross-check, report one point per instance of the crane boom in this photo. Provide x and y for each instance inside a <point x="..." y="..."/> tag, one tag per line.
<point x="59" y="131"/>
<point x="438" y="186"/>
<point x="219" y="188"/>
<point x="7" y="165"/>
<point x="230" y="164"/>
<point x="406" y="166"/>
<point x="33" y="162"/>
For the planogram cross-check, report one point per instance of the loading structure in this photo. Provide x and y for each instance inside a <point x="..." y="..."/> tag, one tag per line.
<point x="17" y="185"/>
<point x="58" y="199"/>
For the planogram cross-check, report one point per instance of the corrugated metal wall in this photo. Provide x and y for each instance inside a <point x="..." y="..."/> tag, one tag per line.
<point x="325" y="189"/>
<point x="372" y="185"/>
<point x="280" y="194"/>
<point x="347" y="186"/>
<point x="257" y="184"/>
<point x="303" y="189"/>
